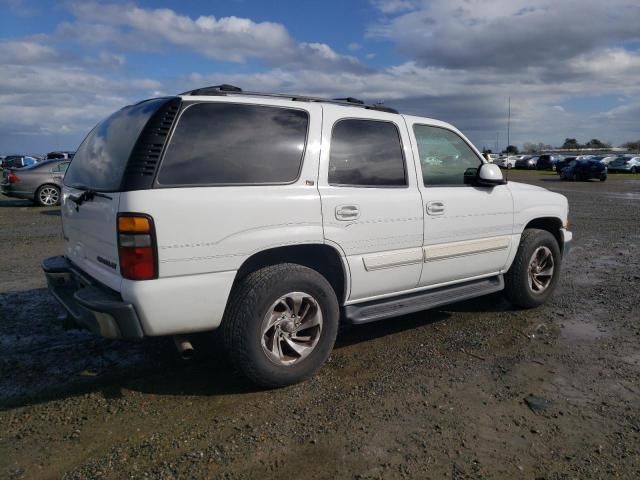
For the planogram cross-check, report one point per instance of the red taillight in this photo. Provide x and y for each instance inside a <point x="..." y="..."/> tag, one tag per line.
<point x="12" y="178"/>
<point x="137" y="247"/>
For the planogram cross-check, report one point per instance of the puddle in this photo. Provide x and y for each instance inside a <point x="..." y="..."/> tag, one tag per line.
<point x="625" y="196"/>
<point x="580" y="330"/>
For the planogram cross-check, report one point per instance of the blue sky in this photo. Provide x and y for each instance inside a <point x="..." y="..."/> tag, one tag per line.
<point x="571" y="67"/>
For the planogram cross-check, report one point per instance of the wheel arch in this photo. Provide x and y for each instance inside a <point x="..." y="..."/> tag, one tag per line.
<point x="553" y="225"/>
<point x="322" y="258"/>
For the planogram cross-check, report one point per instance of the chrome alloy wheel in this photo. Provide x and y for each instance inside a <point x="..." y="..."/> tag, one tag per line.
<point x="291" y="328"/>
<point x="49" y="196"/>
<point x="541" y="268"/>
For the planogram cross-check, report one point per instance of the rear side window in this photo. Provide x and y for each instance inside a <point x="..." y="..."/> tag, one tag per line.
<point x="61" y="167"/>
<point x="102" y="157"/>
<point x="366" y="153"/>
<point x="235" y="144"/>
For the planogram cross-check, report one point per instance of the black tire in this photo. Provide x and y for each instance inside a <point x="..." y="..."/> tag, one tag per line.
<point x="603" y="178"/>
<point x="251" y="300"/>
<point x="517" y="288"/>
<point x="574" y="177"/>
<point x="40" y="198"/>
<point x="634" y="170"/>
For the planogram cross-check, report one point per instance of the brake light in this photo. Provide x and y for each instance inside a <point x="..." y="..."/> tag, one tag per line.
<point x="12" y="178"/>
<point x="137" y="247"/>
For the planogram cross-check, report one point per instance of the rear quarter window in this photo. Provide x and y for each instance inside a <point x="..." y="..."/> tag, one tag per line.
<point x="235" y="144"/>
<point x="102" y="157"/>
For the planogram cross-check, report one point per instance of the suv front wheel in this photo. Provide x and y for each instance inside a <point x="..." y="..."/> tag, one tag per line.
<point x="280" y="324"/>
<point x="534" y="272"/>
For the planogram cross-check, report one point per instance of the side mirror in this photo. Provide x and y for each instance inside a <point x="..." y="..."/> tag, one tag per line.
<point x="489" y="175"/>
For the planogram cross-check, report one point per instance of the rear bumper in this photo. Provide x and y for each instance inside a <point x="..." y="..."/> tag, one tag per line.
<point x="8" y="190"/>
<point x="91" y="305"/>
<point x="5" y="189"/>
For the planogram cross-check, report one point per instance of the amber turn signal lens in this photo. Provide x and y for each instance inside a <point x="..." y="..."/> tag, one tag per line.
<point x="133" y="224"/>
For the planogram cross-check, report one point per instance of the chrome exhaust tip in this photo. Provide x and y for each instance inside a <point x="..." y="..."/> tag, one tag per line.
<point x="184" y="347"/>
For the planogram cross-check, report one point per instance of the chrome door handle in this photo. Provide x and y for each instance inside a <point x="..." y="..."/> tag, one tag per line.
<point x="347" y="212"/>
<point x="435" y="208"/>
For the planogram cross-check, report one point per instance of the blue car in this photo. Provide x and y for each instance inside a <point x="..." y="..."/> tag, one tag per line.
<point x="584" y="170"/>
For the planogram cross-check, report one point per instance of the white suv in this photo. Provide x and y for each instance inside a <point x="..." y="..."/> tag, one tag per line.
<point x="277" y="217"/>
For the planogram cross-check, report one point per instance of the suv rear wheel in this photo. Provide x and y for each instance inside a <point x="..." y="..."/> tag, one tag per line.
<point x="534" y="272"/>
<point x="281" y="323"/>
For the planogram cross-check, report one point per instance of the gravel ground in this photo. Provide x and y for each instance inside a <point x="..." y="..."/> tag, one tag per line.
<point x="473" y="390"/>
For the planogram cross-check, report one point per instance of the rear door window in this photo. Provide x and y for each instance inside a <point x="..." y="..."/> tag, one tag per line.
<point x="235" y="144"/>
<point x="366" y="153"/>
<point x="102" y="157"/>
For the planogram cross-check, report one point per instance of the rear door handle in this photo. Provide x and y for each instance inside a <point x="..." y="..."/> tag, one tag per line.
<point x="347" y="212"/>
<point x="435" y="208"/>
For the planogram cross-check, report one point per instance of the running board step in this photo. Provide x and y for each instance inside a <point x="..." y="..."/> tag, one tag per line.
<point x="415" y="302"/>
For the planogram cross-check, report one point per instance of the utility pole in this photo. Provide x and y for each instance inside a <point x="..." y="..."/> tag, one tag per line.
<point x="509" y="124"/>
<point x="497" y="139"/>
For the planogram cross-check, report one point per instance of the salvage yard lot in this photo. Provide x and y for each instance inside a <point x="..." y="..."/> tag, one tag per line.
<point x="473" y="390"/>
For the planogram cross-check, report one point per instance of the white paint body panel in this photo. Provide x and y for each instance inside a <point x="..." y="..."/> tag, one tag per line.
<point x="388" y="230"/>
<point x="471" y="217"/>
<point x="89" y="233"/>
<point x="204" y="234"/>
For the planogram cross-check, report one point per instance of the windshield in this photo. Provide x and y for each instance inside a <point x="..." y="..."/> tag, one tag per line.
<point x="102" y="157"/>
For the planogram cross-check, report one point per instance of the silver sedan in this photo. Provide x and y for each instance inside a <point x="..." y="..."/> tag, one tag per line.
<point x="41" y="183"/>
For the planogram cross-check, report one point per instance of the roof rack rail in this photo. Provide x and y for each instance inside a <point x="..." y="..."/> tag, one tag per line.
<point x="225" y="89"/>
<point x="214" y="90"/>
<point x="350" y="100"/>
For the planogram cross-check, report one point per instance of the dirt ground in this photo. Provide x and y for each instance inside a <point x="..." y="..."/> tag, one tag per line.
<point x="473" y="390"/>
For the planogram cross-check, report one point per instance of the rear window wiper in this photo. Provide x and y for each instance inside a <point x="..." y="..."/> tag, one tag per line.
<point x="87" y="195"/>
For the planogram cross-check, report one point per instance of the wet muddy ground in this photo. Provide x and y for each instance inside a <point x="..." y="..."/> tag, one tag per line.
<point x="473" y="390"/>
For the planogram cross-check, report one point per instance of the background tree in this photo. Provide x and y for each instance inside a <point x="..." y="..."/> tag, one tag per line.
<point x="632" y="146"/>
<point x="511" y="150"/>
<point x="595" y="143"/>
<point x="530" y="147"/>
<point x="571" y="144"/>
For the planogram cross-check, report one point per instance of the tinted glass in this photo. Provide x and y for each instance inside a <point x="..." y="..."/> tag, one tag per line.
<point x="223" y="143"/>
<point x="366" y="153"/>
<point x="102" y="157"/>
<point x="444" y="156"/>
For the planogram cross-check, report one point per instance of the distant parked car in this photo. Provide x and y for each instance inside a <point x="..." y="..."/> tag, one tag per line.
<point x="546" y="162"/>
<point x="584" y="170"/>
<point x="508" y="162"/>
<point x="563" y="163"/>
<point x="529" y="162"/>
<point x="625" y="164"/>
<point x="59" y="155"/>
<point x="40" y="183"/>
<point x="608" y="159"/>
<point x="19" y="161"/>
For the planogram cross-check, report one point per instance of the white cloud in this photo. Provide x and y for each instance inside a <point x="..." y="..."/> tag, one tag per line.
<point x="230" y="39"/>
<point x="509" y="34"/>
<point x="395" y="6"/>
<point x="462" y="59"/>
<point x="24" y="52"/>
